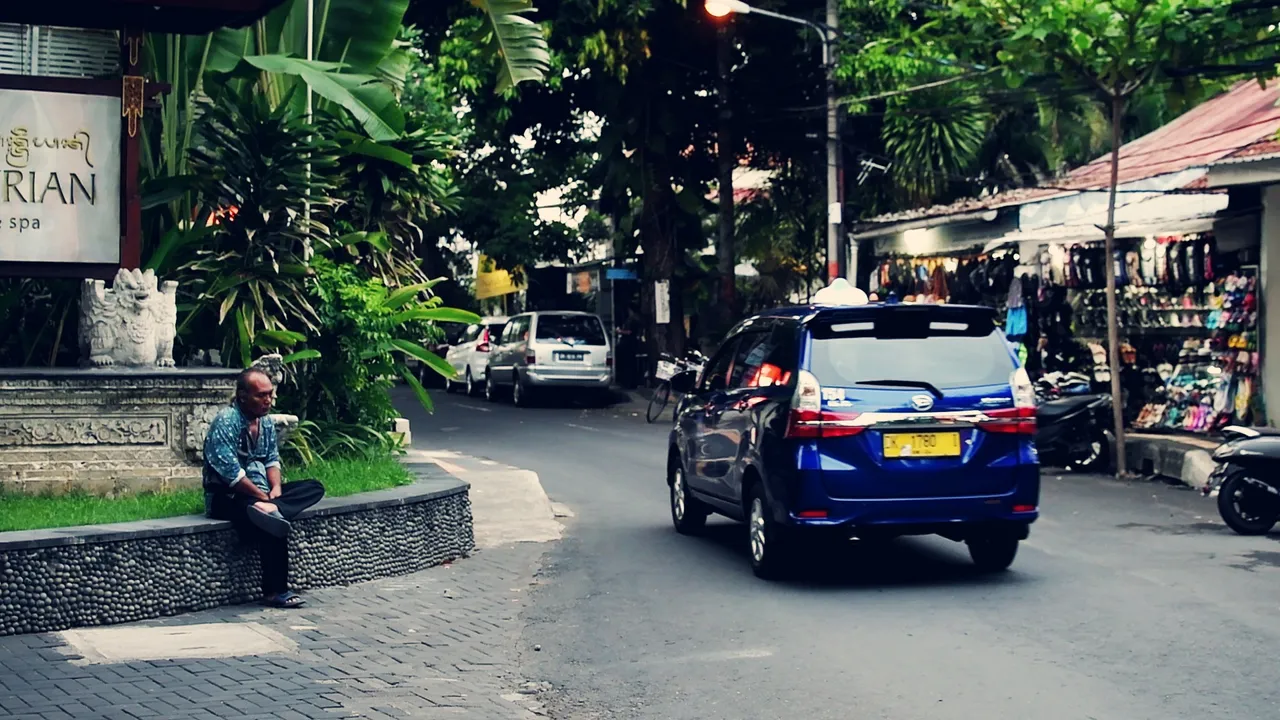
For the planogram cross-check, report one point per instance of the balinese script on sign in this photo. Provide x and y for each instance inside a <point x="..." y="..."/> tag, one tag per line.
<point x="59" y="177"/>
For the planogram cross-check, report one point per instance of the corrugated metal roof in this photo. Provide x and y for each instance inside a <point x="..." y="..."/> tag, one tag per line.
<point x="1264" y="149"/>
<point x="1237" y="119"/>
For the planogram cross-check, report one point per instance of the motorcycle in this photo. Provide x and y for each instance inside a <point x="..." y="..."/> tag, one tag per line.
<point x="1074" y="432"/>
<point x="1245" y="479"/>
<point x="1055" y="385"/>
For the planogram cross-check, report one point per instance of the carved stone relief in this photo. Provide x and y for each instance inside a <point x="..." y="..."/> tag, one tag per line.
<point x="83" y="431"/>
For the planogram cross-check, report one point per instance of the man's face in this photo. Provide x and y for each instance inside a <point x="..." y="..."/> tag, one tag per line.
<point x="255" y="400"/>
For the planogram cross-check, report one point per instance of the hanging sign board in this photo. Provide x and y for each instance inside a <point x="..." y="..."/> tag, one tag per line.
<point x="662" y="301"/>
<point x="60" y="191"/>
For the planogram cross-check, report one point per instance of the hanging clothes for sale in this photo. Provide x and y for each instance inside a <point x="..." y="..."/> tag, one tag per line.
<point x="1015" y="322"/>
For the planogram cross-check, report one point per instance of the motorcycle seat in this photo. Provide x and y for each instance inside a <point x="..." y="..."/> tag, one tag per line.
<point x="1057" y="409"/>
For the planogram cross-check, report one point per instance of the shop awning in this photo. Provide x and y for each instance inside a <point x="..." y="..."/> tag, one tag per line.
<point x="1152" y="207"/>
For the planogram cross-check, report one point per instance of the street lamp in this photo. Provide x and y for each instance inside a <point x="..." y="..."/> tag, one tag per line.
<point x="829" y="32"/>
<point x="724" y="8"/>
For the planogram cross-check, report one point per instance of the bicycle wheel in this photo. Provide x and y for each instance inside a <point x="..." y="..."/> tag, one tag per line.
<point x="658" y="402"/>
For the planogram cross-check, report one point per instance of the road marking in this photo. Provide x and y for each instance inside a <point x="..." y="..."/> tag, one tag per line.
<point x="582" y="427"/>
<point x="706" y="657"/>
<point x="477" y="408"/>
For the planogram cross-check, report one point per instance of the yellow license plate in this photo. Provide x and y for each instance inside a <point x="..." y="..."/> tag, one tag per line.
<point x="927" y="445"/>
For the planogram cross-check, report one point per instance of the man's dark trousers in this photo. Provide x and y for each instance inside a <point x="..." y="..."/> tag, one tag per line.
<point x="274" y="552"/>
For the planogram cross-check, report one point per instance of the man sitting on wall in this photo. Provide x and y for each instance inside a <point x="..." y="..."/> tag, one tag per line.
<point x="242" y="482"/>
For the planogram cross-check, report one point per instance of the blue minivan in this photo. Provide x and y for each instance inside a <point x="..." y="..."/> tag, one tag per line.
<point x="876" y="420"/>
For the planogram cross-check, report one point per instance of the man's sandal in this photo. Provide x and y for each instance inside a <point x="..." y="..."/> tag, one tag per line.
<point x="286" y="600"/>
<point x="272" y="523"/>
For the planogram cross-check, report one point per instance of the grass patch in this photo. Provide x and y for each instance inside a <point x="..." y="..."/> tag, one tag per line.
<point x="346" y="476"/>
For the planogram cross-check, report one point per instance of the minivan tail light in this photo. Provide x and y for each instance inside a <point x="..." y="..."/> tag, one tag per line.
<point x="531" y="358"/>
<point x="1013" y="421"/>
<point x="484" y="342"/>
<point x="807" y="425"/>
<point x="809" y="421"/>
<point x="1024" y="392"/>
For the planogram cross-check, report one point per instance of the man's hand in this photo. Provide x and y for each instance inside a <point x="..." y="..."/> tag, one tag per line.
<point x="274" y="480"/>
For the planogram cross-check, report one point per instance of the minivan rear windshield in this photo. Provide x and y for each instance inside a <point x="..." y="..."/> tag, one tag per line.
<point x="944" y="361"/>
<point x="572" y="329"/>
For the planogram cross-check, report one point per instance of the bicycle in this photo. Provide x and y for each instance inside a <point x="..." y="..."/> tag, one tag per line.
<point x="669" y="367"/>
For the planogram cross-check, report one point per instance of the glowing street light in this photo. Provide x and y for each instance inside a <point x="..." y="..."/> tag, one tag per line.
<point x="724" y="8"/>
<point x="837" y="263"/>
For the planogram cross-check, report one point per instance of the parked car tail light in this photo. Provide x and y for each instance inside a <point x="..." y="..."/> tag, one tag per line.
<point x="484" y="342"/>
<point x="808" y="420"/>
<point x="768" y="375"/>
<point x="531" y="358"/>
<point x="1021" y="418"/>
<point x="608" y="360"/>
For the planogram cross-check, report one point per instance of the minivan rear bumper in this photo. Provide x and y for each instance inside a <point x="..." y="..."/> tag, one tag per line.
<point x="581" y="378"/>
<point x="929" y="512"/>
<point x="807" y="504"/>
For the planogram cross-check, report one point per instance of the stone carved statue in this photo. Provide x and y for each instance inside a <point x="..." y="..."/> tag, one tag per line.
<point x="132" y="324"/>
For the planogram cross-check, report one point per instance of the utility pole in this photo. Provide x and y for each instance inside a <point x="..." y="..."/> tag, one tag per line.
<point x="836" y="265"/>
<point x="726" y="160"/>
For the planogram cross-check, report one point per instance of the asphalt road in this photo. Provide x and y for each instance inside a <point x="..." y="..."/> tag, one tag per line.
<point x="1130" y="601"/>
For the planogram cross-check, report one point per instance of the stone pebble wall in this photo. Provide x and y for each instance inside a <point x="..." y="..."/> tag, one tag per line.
<point x="64" y="586"/>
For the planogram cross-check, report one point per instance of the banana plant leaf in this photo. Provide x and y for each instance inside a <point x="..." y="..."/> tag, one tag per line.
<point x="517" y="41"/>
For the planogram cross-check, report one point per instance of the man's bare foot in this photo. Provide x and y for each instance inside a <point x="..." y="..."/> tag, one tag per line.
<point x="265" y="506"/>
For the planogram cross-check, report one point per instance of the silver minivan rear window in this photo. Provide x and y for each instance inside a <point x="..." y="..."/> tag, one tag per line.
<point x="571" y="329"/>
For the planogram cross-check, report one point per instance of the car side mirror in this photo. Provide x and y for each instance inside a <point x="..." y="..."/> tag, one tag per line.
<point x="684" y="382"/>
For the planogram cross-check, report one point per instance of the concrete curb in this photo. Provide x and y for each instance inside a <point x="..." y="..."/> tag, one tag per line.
<point x="1185" y="459"/>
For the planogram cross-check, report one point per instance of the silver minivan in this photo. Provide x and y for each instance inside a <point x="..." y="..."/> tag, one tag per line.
<point x="541" y="350"/>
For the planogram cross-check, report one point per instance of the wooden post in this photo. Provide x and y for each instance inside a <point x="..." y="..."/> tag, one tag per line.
<point x="132" y="101"/>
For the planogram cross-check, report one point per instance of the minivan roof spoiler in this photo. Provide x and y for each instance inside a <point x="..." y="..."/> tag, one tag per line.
<point x="902" y="321"/>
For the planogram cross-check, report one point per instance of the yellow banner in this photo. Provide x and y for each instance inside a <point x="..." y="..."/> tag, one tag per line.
<point x="492" y="282"/>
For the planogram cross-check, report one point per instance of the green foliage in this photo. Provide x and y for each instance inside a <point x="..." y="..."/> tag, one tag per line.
<point x="1115" y="46"/>
<point x="38" y="321"/>
<point x="394" y="190"/>
<point x="367" y="333"/>
<point x="245" y="280"/>
<point x="516" y="41"/>
<point x="340" y="476"/>
<point x="931" y="138"/>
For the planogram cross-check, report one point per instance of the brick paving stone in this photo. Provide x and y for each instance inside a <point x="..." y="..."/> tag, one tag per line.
<point x="434" y="644"/>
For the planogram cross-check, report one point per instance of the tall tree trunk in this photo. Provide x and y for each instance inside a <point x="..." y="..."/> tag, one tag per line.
<point x="1113" y="326"/>
<point x="661" y="253"/>
<point x="726" y="157"/>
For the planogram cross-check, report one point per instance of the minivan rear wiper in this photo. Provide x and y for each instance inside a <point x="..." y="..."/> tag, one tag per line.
<point x="934" y="391"/>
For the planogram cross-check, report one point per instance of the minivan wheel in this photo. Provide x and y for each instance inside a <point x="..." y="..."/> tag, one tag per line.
<point x="993" y="553"/>
<point x="688" y="514"/>
<point x="519" y="393"/>
<point x="769" y="542"/>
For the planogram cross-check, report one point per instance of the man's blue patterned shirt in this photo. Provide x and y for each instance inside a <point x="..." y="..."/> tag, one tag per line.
<point x="232" y="456"/>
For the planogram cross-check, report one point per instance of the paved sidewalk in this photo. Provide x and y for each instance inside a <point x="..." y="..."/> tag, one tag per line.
<point x="439" y="643"/>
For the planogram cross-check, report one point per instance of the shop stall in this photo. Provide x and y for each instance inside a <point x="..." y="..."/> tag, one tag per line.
<point x="1187" y="315"/>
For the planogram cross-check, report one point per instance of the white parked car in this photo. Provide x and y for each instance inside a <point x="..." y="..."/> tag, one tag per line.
<point x="470" y="355"/>
<point x="539" y="350"/>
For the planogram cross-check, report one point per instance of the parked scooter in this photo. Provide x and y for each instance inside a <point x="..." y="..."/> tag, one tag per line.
<point x="1054" y="385"/>
<point x="1246" y="479"/>
<point x="1074" y="432"/>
